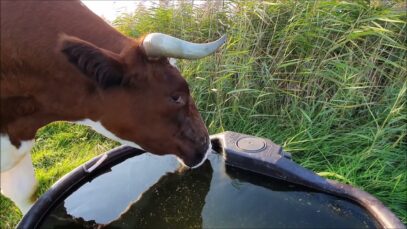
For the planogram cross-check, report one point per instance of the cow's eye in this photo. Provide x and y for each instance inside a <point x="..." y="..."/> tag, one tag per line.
<point x="177" y="99"/>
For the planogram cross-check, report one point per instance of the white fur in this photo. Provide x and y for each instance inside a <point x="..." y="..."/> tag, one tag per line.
<point x="11" y="155"/>
<point x="208" y="151"/>
<point x="98" y="127"/>
<point x="173" y="62"/>
<point x="17" y="173"/>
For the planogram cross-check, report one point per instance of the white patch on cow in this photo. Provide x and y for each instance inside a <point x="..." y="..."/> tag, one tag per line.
<point x="173" y="62"/>
<point x="17" y="173"/>
<point x="98" y="127"/>
<point x="11" y="155"/>
<point x="208" y="151"/>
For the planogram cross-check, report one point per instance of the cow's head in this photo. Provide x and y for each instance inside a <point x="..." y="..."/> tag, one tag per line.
<point x="141" y="98"/>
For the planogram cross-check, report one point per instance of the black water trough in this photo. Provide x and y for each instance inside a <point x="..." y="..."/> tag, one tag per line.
<point x="248" y="182"/>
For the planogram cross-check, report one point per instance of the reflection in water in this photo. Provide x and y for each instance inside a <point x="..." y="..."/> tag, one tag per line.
<point x="155" y="208"/>
<point x="148" y="191"/>
<point x="126" y="182"/>
<point x="241" y="199"/>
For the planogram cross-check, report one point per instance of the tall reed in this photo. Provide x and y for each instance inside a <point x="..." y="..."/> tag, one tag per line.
<point x="325" y="79"/>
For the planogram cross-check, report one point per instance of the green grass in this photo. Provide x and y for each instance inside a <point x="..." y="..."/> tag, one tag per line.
<point x="324" y="79"/>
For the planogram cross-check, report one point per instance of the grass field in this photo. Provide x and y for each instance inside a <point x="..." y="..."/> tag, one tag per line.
<point x="327" y="80"/>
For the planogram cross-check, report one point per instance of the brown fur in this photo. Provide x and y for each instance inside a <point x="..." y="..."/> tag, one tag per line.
<point x="59" y="61"/>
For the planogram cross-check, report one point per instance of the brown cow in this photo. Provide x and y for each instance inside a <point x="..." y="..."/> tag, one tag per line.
<point x="59" y="61"/>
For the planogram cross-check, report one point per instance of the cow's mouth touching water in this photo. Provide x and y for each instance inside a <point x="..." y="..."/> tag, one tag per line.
<point x="198" y="160"/>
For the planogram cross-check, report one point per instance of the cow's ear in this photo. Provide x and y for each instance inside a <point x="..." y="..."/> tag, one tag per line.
<point x="98" y="64"/>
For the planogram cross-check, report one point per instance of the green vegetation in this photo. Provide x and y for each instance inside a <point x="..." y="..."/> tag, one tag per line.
<point x="327" y="80"/>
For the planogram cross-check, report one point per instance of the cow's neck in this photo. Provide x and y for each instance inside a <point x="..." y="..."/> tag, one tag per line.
<point x="29" y="113"/>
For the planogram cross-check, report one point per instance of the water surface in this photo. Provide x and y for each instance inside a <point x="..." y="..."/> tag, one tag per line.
<point x="151" y="191"/>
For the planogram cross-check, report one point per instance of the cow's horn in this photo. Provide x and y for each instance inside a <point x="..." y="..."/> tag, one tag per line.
<point x="162" y="45"/>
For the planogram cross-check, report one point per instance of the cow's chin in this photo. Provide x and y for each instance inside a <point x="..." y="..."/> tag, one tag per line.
<point x="195" y="163"/>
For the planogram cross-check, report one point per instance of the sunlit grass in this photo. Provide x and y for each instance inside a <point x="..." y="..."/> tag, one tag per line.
<point x="324" y="79"/>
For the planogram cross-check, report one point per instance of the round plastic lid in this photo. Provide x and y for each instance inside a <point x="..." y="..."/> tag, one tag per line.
<point x="250" y="144"/>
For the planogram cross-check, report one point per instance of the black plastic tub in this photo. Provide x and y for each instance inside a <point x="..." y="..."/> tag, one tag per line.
<point x="248" y="182"/>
